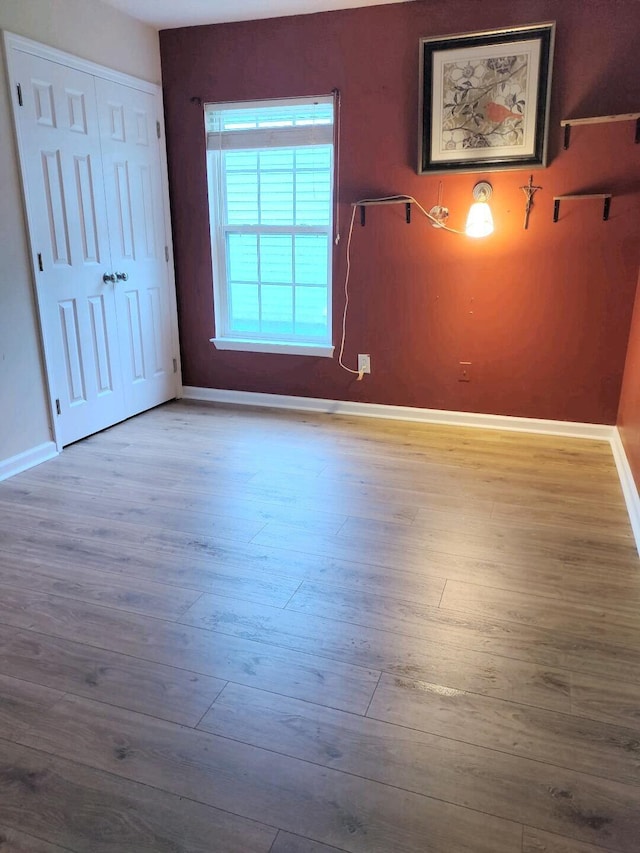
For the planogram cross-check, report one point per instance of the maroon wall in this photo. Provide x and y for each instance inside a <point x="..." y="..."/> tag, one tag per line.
<point x="543" y="314"/>
<point x="629" y="412"/>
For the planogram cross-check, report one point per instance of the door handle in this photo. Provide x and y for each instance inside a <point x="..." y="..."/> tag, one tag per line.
<point x="109" y="278"/>
<point x="122" y="276"/>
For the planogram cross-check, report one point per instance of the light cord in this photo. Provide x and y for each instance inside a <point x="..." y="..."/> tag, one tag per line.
<point x="358" y="373"/>
<point x="390" y="198"/>
<point x="408" y="199"/>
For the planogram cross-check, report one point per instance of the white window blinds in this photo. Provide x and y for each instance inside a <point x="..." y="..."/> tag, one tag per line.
<point x="265" y="124"/>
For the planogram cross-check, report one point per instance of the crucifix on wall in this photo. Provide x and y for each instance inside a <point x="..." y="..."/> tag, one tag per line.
<point x="529" y="190"/>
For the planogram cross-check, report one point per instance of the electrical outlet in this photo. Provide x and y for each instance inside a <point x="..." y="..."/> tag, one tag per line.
<point x="364" y="363"/>
<point x="464" y="371"/>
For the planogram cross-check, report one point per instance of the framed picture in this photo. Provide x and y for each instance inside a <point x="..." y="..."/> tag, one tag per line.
<point x="484" y="100"/>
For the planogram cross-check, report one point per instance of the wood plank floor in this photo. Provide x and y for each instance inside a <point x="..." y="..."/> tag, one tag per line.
<point x="239" y="631"/>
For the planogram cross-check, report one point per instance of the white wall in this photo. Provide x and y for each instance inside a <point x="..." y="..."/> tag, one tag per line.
<point x="91" y="30"/>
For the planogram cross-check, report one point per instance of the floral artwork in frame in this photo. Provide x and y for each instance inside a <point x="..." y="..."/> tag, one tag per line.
<point x="485" y="100"/>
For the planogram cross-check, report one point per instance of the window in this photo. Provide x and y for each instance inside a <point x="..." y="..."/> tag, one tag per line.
<point x="270" y="167"/>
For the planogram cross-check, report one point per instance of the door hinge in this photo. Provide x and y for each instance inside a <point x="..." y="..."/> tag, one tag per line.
<point x="58" y="409"/>
<point x="20" y="101"/>
<point x="175" y="365"/>
<point x="158" y="129"/>
<point x="166" y="254"/>
<point x="40" y="264"/>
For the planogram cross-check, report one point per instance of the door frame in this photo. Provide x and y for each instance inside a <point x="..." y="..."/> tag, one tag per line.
<point x="13" y="42"/>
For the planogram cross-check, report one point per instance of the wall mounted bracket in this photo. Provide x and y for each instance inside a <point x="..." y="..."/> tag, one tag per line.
<point x="581" y="197"/>
<point x="569" y="122"/>
<point x="396" y="199"/>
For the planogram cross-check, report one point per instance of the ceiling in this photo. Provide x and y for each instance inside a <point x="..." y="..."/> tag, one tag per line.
<point x="166" y="14"/>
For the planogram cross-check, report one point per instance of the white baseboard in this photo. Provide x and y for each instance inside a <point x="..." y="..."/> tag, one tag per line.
<point x="568" y="429"/>
<point x="34" y="456"/>
<point x="629" y="488"/>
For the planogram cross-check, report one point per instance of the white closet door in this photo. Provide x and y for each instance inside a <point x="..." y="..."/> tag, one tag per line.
<point x="132" y="171"/>
<point x="62" y="170"/>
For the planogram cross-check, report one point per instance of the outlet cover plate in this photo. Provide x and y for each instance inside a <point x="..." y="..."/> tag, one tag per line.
<point x="364" y="362"/>
<point x="464" y="371"/>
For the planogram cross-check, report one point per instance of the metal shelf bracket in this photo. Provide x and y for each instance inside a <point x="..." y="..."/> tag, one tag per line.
<point x="400" y="199"/>
<point x="606" y="199"/>
<point x="569" y="122"/>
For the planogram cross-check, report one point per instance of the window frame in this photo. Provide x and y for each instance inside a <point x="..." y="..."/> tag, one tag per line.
<point x="216" y="185"/>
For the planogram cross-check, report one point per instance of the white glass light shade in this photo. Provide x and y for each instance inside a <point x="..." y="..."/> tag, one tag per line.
<point x="479" y="220"/>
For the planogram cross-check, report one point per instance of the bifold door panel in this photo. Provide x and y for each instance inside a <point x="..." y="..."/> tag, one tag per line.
<point x="62" y="159"/>
<point x="127" y="120"/>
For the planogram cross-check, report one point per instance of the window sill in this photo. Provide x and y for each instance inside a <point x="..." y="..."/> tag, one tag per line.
<point x="247" y="345"/>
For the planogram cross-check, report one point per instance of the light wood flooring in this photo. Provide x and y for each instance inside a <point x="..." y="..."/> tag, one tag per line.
<point x="236" y="631"/>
